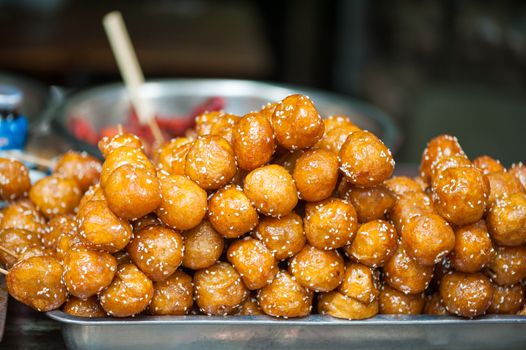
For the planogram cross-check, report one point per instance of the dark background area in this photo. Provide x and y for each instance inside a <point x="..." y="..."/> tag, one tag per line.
<point x="434" y="66"/>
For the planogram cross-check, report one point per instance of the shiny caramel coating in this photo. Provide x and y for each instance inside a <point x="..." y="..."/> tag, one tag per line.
<point x="359" y="282"/>
<point x="253" y="141"/>
<point x="285" y="297"/>
<point x="65" y="243"/>
<point x="23" y="215"/>
<point x="108" y="145"/>
<point x="460" y="195"/>
<point x="370" y="203"/>
<point x="17" y="241"/>
<point x="271" y="190"/>
<point x="171" y="158"/>
<point x="157" y="251"/>
<point x="204" y="122"/>
<point x="125" y="156"/>
<point x="288" y="159"/>
<point x="183" y="202"/>
<point x="173" y="296"/>
<point x="473" y="248"/>
<point x="145" y="221"/>
<point x="330" y="224"/>
<point x="438" y="147"/>
<point x="488" y="165"/>
<point x="338" y="305"/>
<point x="225" y="127"/>
<point x="54" y="195"/>
<point x="395" y="302"/>
<point x="57" y="226"/>
<point x="399" y="185"/>
<point x="444" y="163"/>
<point x="89" y="307"/>
<point x="284" y="236"/>
<point x="254" y="262"/>
<point x="374" y="243"/>
<point x="203" y="246"/>
<point x="218" y="290"/>
<point x="210" y="162"/>
<point x="250" y="307"/>
<point x="94" y="193"/>
<point x="507" y="265"/>
<point x="334" y="138"/>
<point x="231" y="213"/>
<point x="465" y="294"/>
<point x="14" y="179"/>
<point x="502" y="185"/>
<point x="365" y="160"/>
<point x="519" y="171"/>
<point x="315" y="174"/>
<point x="87" y="272"/>
<point x="434" y="305"/>
<point x="81" y="167"/>
<point x="37" y="282"/>
<point x="296" y="122"/>
<point x="507" y="220"/>
<point x="507" y="300"/>
<point x="37" y="250"/>
<point x="409" y="205"/>
<point x="268" y="110"/>
<point x="100" y="229"/>
<point x="336" y="121"/>
<point x="129" y="293"/>
<point x="318" y="270"/>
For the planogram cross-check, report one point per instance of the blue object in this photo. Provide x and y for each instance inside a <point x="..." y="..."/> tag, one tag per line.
<point x="13" y="125"/>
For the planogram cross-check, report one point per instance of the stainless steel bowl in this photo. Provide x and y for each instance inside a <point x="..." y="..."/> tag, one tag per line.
<point x="109" y="104"/>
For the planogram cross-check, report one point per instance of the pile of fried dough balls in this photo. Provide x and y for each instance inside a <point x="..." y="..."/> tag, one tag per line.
<point x="278" y="212"/>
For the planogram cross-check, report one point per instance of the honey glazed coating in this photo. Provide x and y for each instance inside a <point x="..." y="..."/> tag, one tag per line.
<point x="173" y="296"/>
<point x="338" y="305"/>
<point x="89" y="307"/>
<point x="395" y="302"/>
<point x="55" y="195"/>
<point x="14" y="179"/>
<point x="315" y="174"/>
<point x="203" y="246"/>
<point x="81" y="167"/>
<point x="284" y="236"/>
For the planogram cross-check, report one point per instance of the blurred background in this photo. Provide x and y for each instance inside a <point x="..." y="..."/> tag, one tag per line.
<point x="434" y="66"/>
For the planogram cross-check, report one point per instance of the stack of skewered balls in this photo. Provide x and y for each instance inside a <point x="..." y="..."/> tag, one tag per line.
<point x="278" y="212"/>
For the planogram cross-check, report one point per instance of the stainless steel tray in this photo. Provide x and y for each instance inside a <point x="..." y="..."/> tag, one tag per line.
<point x="313" y="332"/>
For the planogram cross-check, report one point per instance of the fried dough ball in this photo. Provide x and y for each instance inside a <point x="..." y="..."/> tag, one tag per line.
<point x="374" y="243"/>
<point x="203" y="246"/>
<point x="219" y="290"/>
<point x="271" y="190"/>
<point x="23" y="215"/>
<point x="460" y="195"/>
<point x="506" y="299"/>
<point x="359" y="282"/>
<point x="14" y="179"/>
<point x="65" y="243"/>
<point x="466" y="294"/>
<point x="210" y="162"/>
<point x="225" y="126"/>
<point x="36" y="251"/>
<point x="338" y="305"/>
<point x="335" y="135"/>
<point x="444" y="163"/>
<point x="318" y="270"/>
<point x="406" y="274"/>
<point x="250" y="308"/>
<point x="507" y="220"/>
<point x="37" y="282"/>
<point x="17" y="241"/>
<point x="94" y="193"/>
<point x="254" y="262"/>
<point x="55" y="195"/>
<point x="87" y="272"/>
<point x="171" y="157"/>
<point x="231" y="213"/>
<point x="268" y="110"/>
<point x="519" y="171"/>
<point x="316" y="174"/>
<point x="365" y="160"/>
<point x="285" y="297"/>
<point x="502" y="185"/>
<point x="488" y="165"/>
<point x="296" y="122"/>
<point x="157" y="251"/>
<point x="81" y="167"/>
<point x="428" y="238"/>
<point x="145" y="221"/>
<point x="204" y="121"/>
<point x="400" y="185"/>
<point x="435" y="306"/>
<point x="125" y="156"/>
<point x="288" y="160"/>
<point x="57" y="226"/>
<point x="508" y="265"/>
<point x="439" y="147"/>
<point x="408" y="206"/>
<point x="253" y="141"/>
<point x="330" y="224"/>
<point x="129" y="293"/>
<point x="89" y="307"/>
<point x="100" y="229"/>
<point x="108" y="145"/>
<point x="173" y="296"/>
<point x="183" y="202"/>
<point x="370" y="203"/>
<point x="473" y="248"/>
<point x="395" y="302"/>
<point x="284" y="237"/>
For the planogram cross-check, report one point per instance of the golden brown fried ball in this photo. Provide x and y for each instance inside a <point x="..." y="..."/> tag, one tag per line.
<point x="23" y="215"/>
<point x="171" y="157"/>
<point x="57" y="226"/>
<point x="473" y="248"/>
<point x="315" y="174"/>
<point x="55" y="195"/>
<point x="374" y="243"/>
<point x="219" y="290"/>
<point x="507" y="220"/>
<point x="65" y="243"/>
<point x="157" y="251"/>
<point x="466" y="294"/>
<point x="330" y="224"/>
<point x="108" y="145"/>
<point x="507" y="265"/>
<point x="502" y="185"/>
<point x="253" y="141"/>
<point x="14" y="179"/>
<point x="400" y="185"/>
<point x="81" y="167"/>
<point x="89" y="307"/>
<point x="183" y="202"/>
<point x="145" y="221"/>
<point x="94" y="193"/>
<point x="409" y="205"/>
<point x="203" y="246"/>
<point x="288" y="159"/>
<point x="360" y="282"/>
<point x="204" y="122"/>
<point x="370" y="203"/>
<point x="250" y="307"/>
<point x="337" y="129"/>
<point x="439" y="147"/>
<point x="225" y="126"/>
<point x="283" y="236"/>
<point x="444" y="163"/>
<point x="296" y="122"/>
<point x="338" y="305"/>
<point x="318" y="270"/>
<point x="285" y="297"/>
<point x="271" y="190"/>
<point x="231" y="213"/>
<point x="506" y="299"/>
<point x="434" y="305"/>
<point x="125" y="156"/>
<point x="17" y="241"/>
<point x="173" y="296"/>
<point x="519" y="171"/>
<point x="488" y="165"/>
<point x="395" y="302"/>
<point x="254" y="262"/>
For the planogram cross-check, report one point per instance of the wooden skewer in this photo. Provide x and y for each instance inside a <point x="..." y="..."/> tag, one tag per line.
<point x="26" y="157"/>
<point x="5" y="272"/>
<point x="9" y="251"/>
<point x="119" y="128"/>
<point x="130" y="70"/>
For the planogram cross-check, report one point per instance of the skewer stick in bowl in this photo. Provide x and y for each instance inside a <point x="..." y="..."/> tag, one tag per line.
<point x="130" y="70"/>
<point x="29" y="158"/>
<point x="3" y="271"/>
<point x="9" y="251"/>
